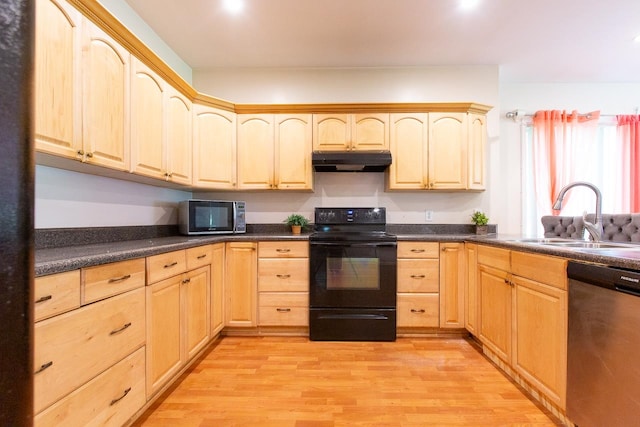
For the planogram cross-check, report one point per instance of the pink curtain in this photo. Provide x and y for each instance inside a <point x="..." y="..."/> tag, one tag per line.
<point x="629" y="137"/>
<point x="559" y="141"/>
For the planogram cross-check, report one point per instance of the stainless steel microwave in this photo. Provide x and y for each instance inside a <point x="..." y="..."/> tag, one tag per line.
<point x="211" y="217"/>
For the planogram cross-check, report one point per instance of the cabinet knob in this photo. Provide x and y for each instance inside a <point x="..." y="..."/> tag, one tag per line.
<point x="89" y="155"/>
<point x="415" y="310"/>
<point x="119" y="279"/>
<point x="283" y="310"/>
<point x="418" y="276"/>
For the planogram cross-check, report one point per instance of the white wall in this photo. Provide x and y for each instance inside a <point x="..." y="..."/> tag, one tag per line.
<point x="345" y="85"/>
<point x="130" y="19"/>
<point x="69" y="199"/>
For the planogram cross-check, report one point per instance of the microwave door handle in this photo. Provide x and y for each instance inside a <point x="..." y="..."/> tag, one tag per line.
<point x="234" y="223"/>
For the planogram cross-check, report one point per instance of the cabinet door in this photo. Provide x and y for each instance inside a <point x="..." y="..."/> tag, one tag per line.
<point x="217" y="288"/>
<point x="179" y="137"/>
<point x="370" y="131"/>
<point x="214" y="148"/>
<point x="495" y="310"/>
<point x="452" y="282"/>
<point x="331" y="132"/>
<point x="57" y="82"/>
<point x="105" y="118"/>
<point x="471" y="290"/>
<point x="418" y="310"/>
<point x="164" y="355"/>
<point x="540" y="340"/>
<point x="293" y="152"/>
<point x="196" y="288"/>
<point x="241" y="284"/>
<point x="255" y="151"/>
<point x="477" y="147"/>
<point x="408" y="144"/>
<point x="447" y="151"/>
<point x="148" y="153"/>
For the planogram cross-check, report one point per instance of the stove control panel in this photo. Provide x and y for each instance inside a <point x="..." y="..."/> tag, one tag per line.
<point x="350" y="216"/>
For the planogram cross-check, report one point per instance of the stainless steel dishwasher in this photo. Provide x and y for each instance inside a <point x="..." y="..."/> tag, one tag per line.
<point x="603" y="373"/>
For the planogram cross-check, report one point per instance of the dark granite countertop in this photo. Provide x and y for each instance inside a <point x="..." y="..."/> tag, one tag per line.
<point x="59" y="259"/>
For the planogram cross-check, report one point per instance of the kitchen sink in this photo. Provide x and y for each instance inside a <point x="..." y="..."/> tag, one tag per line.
<point x="578" y="244"/>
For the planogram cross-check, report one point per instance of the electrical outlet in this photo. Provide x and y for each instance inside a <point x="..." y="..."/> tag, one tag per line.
<point x="428" y="216"/>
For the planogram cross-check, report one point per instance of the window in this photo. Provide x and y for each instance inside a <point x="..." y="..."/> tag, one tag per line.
<point x="599" y="161"/>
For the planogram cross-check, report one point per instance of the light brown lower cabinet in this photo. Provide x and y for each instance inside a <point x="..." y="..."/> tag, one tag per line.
<point x="74" y="347"/>
<point x="418" y="283"/>
<point x="111" y="398"/>
<point x="177" y="324"/>
<point x="217" y="288"/>
<point x="241" y="284"/>
<point x="523" y="316"/>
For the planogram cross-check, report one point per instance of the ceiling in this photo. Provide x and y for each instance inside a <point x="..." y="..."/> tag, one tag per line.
<point x="531" y="40"/>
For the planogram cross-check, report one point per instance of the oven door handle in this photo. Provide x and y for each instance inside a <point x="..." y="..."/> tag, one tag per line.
<point x="354" y="245"/>
<point x="354" y="316"/>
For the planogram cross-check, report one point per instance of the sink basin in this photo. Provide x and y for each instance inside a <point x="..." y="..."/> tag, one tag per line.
<point x="593" y="245"/>
<point x="578" y="244"/>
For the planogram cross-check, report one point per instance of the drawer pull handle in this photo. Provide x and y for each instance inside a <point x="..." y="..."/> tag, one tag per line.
<point x="43" y="367"/>
<point x="120" y="279"/>
<point x="283" y="276"/>
<point x="283" y="310"/>
<point x="283" y="250"/>
<point x="126" y="325"/>
<point x="173" y="264"/>
<point x="114" y="401"/>
<point x="202" y="256"/>
<point x="44" y="298"/>
<point x="417" y="251"/>
<point x="417" y="276"/>
<point x="186" y="281"/>
<point x="413" y="310"/>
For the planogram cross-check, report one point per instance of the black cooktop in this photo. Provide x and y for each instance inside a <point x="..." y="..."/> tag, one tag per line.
<point x="351" y="224"/>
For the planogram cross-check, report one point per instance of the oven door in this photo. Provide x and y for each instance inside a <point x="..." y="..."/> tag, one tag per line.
<point x="352" y="275"/>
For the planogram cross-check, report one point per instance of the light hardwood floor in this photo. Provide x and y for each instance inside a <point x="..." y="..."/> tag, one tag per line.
<point x="291" y="381"/>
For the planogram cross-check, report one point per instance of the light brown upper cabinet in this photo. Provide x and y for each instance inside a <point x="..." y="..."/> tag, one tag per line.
<point x="57" y="79"/>
<point x="214" y="148"/>
<point x="342" y="132"/>
<point x="81" y="88"/>
<point x="179" y="137"/>
<point x="447" y="151"/>
<point x="476" y="153"/>
<point x="105" y="99"/>
<point x="437" y="151"/>
<point x="274" y="152"/>
<point x="409" y="145"/>
<point x="147" y="111"/>
<point x="161" y="124"/>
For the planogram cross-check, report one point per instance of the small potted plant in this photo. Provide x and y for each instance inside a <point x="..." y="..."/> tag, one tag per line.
<point x="481" y="221"/>
<point x="296" y="221"/>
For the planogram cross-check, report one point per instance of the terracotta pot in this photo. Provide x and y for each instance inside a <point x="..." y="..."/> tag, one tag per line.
<point x="295" y="229"/>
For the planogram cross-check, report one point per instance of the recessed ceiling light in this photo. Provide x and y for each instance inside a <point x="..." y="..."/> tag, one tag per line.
<point x="468" y="4"/>
<point x="233" y="6"/>
<point x="637" y="39"/>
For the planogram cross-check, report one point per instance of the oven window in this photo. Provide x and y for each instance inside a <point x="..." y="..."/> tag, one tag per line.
<point x="353" y="273"/>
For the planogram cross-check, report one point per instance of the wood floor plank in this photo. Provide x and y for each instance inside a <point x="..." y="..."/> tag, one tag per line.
<point x="291" y="381"/>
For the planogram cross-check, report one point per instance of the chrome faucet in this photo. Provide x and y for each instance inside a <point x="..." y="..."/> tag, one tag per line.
<point x="595" y="228"/>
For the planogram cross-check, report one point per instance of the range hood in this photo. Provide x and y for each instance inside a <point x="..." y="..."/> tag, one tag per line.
<point x="351" y="161"/>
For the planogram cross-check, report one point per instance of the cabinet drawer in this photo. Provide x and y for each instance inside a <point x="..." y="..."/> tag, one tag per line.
<point x="74" y="347"/>
<point x="163" y="266"/>
<point x="545" y="269"/>
<point x="418" y="275"/>
<point x="111" y="398"/>
<point x="418" y="310"/>
<point x="56" y="294"/>
<point x="283" y="275"/>
<point x="284" y="309"/>
<point x="418" y="250"/>
<point x="111" y="279"/>
<point x="199" y="257"/>
<point x="283" y="249"/>
<point x="494" y="257"/>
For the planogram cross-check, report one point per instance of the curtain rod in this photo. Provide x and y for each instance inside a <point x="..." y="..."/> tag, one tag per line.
<point x="517" y="115"/>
